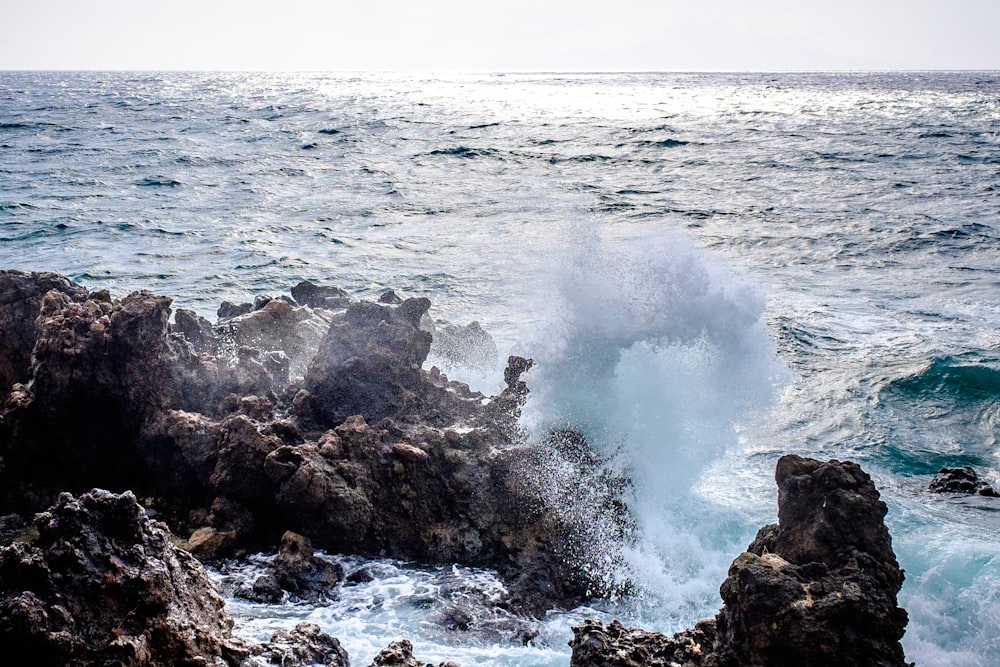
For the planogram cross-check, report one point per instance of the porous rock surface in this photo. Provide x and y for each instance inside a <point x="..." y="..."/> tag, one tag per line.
<point x="961" y="480"/>
<point x="817" y="588"/>
<point x="309" y="413"/>
<point x="400" y="654"/>
<point x="101" y="584"/>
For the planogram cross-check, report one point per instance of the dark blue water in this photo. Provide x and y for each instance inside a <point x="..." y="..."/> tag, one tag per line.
<point x="711" y="270"/>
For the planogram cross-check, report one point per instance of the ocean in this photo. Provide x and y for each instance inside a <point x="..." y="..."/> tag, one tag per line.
<point x="710" y="270"/>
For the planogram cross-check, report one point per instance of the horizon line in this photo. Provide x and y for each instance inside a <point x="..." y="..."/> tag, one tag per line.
<point x="499" y="71"/>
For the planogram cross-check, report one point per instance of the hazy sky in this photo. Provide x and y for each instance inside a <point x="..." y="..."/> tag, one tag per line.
<point x="500" y="35"/>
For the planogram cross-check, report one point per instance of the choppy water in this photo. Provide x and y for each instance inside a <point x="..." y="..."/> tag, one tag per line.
<point x="711" y="270"/>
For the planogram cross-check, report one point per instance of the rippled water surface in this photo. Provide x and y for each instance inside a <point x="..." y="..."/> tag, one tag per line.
<point x="711" y="270"/>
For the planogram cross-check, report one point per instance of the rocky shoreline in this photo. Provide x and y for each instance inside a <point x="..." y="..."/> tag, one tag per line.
<point x="308" y="420"/>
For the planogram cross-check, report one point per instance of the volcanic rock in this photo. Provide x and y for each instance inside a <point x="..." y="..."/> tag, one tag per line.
<point x="103" y="585"/>
<point x="818" y="588"/>
<point x="305" y="645"/>
<point x="400" y="654"/>
<point x="368" y="453"/>
<point x="310" y="294"/>
<point x="962" y="480"/>
<point x="614" y="645"/>
<point x="21" y="297"/>
<point x="369" y="363"/>
<point x="298" y="570"/>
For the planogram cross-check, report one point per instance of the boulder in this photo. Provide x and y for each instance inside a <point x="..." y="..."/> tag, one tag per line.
<point x="962" y="480"/>
<point x="614" y="645"/>
<point x="297" y="570"/>
<point x="818" y="588"/>
<point x="102" y="584"/>
<point x="307" y="293"/>
<point x="304" y="645"/>
<point x="400" y="654"/>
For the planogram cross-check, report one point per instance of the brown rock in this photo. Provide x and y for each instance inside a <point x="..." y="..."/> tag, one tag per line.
<point x="400" y="654"/>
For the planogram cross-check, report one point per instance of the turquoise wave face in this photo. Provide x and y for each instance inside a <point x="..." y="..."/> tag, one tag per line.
<point x="947" y="414"/>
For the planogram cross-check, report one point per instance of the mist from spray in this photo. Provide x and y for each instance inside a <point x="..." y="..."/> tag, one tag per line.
<point x="656" y="354"/>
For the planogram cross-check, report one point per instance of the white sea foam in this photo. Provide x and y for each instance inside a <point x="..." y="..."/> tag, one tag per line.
<point x="656" y="353"/>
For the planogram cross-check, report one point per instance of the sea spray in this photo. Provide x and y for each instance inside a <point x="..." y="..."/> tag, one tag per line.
<point x="656" y="353"/>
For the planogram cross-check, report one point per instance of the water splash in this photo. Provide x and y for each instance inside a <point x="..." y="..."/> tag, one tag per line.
<point x="656" y="353"/>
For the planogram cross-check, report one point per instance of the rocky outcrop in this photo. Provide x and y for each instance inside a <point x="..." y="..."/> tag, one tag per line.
<point x="400" y="654"/>
<point x="369" y="363"/>
<point x="963" y="481"/>
<point x="304" y="645"/>
<point x="101" y="584"/>
<point x="21" y="297"/>
<point x="817" y="588"/>
<point x="614" y="645"/>
<point x="295" y="570"/>
<point x="312" y="414"/>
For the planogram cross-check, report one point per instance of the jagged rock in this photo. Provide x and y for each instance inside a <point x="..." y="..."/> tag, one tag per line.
<point x="21" y="297"/>
<point x="103" y="585"/>
<point x="390" y="297"/>
<point x="99" y="372"/>
<point x="400" y="654"/>
<point x="299" y="571"/>
<point x="276" y="326"/>
<point x="614" y="645"/>
<point x="369" y="363"/>
<point x="302" y="646"/>
<point x="196" y="330"/>
<point x="963" y="480"/>
<point x="468" y="345"/>
<point x="228" y="310"/>
<point x="368" y="454"/>
<point x="239" y="468"/>
<point x="310" y="294"/>
<point x="819" y="588"/>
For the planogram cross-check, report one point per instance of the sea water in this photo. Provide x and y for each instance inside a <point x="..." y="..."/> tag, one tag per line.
<point x="710" y="270"/>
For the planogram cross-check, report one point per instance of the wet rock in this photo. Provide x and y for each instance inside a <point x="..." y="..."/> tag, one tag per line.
<point x="369" y="363"/>
<point x="209" y="543"/>
<point x="819" y="588"/>
<point x="614" y="645"/>
<point x="368" y="454"/>
<point x="239" y="468"/>
<point x="468" y="345"/>
<point x="196" y="330"/>
<point x="102" y="584"/>
<point x="276" y="326"/>
<point x="100" y="371"/>
<point x="360" y="576"/>
<point x="297" y="570"/>
<point x="400" y="654"/>
<point x="390" y="298"/>
<point x="21" y="297"/>
<point x="962" y="480"/>
<point x="824" y="591"/>
<point x="305" y="645"/>
<point x="228" y="310"/>
<point x="310" y="294"/>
